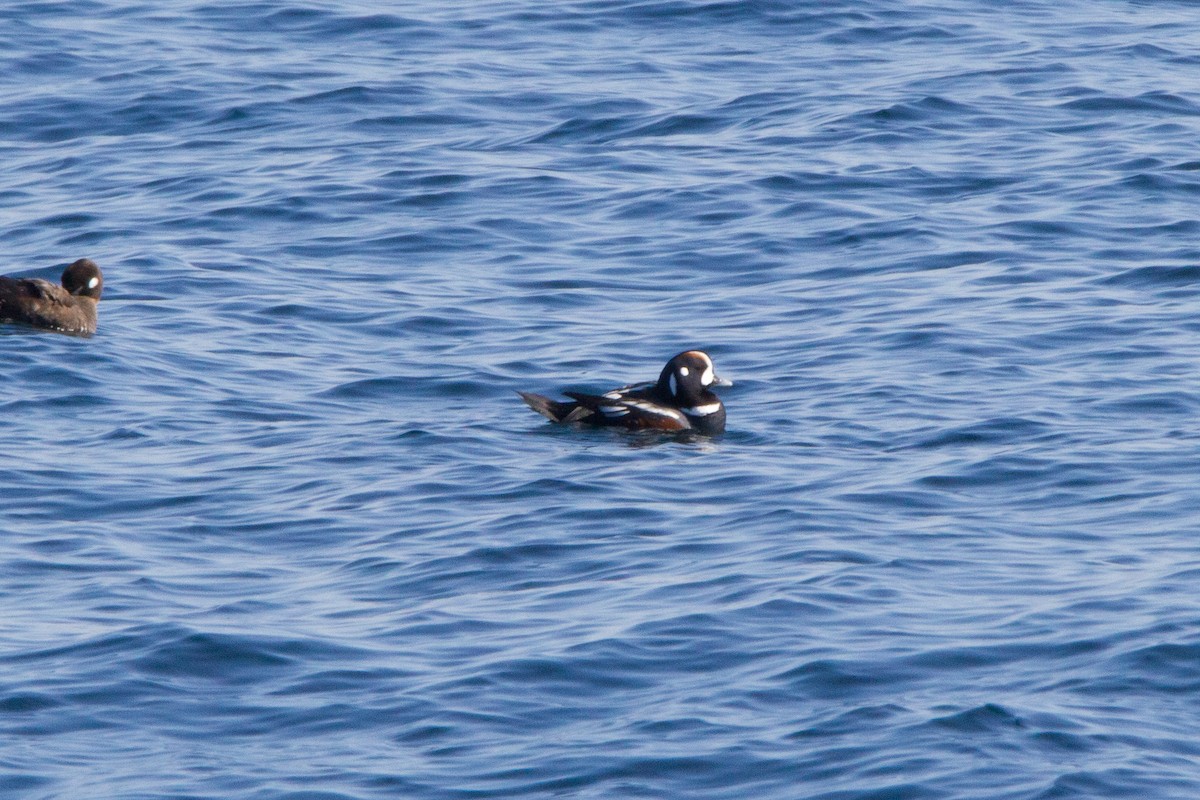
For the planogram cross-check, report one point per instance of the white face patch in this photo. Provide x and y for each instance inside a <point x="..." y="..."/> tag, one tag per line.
<point x="707" y="377"/>
<point x="684" y="371"/>
<point x="93" y="283"/>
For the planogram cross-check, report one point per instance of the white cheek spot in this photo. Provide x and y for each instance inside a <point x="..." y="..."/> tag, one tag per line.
<point x="93" y="283"/>
<point x="684" y="371"/>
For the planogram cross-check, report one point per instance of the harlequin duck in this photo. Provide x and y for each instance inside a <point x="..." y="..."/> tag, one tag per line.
<point x="680" y="400"/>
<point x="70" y="308"/>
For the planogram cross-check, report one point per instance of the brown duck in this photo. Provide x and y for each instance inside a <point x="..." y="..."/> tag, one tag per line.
<point x="70" y="308"/>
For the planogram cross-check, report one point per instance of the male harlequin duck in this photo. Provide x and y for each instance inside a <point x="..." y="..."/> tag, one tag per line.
<point x="70" y="308"/>
<point x="680" y="400"/>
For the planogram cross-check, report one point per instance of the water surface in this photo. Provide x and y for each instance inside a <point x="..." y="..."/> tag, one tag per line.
<point x="283" y="529"/>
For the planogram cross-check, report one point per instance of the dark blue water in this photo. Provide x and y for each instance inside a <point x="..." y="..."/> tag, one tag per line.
<point x="283" y="529"/>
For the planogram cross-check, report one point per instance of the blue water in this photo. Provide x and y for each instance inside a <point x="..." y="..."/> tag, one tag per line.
<point x="283" y="529"/>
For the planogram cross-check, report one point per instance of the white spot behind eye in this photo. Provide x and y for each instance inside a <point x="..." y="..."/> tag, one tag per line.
<point x="684" y="371"/>
<point x="93" y="283"/>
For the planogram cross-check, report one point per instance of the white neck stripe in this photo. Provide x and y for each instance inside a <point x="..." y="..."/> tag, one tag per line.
<point x="702" y="411"/>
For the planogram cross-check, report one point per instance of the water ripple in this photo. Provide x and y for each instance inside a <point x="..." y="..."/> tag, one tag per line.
<point x="283" y="528"/>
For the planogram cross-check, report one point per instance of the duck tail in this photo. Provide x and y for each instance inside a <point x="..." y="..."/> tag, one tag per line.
<point x="552" y="410"/>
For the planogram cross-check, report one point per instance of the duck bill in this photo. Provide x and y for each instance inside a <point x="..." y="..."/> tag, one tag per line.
<point x="719" y="381"/>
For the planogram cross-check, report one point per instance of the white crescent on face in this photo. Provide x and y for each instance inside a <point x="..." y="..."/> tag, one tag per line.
<point x="706" y="378"/>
